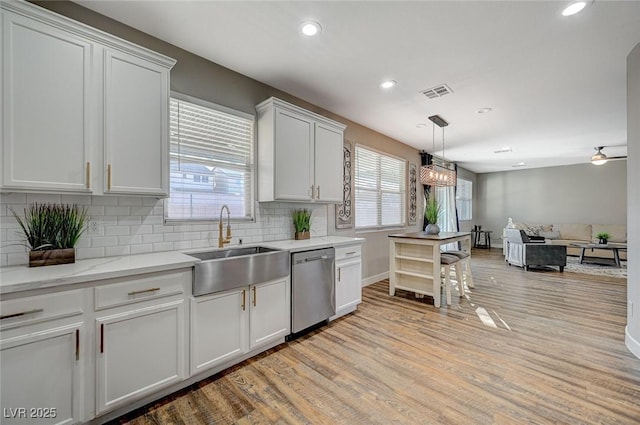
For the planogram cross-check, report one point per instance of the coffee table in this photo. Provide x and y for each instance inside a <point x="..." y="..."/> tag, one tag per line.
<point x="615" y="247"/>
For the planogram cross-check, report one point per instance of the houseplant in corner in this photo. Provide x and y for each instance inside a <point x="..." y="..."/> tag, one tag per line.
<point x="51" y="232"/>
<point x="603" y="238"/>
<point x="431" y="213"/>
<point x="302" y="223"/>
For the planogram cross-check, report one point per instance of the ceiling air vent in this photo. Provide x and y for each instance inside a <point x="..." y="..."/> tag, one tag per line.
<point x="437" y="91"/>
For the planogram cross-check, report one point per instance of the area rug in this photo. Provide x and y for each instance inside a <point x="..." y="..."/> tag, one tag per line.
<point x="574" y="266"/>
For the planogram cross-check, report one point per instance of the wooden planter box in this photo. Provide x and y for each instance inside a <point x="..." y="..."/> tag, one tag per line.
<point x="52" y="257"/>
<point x="302" y="235"/>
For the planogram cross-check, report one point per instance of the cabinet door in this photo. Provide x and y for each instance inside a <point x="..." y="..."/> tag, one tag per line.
<point x="136" y="125"/>
<point x="270" y="312"/>
<point x="328" y="160"/>
<point x="46" y="86"/>
<point x="41" y="379"/>
<point x="138" y="352"/>
<point x="348" y="286"/>
<point x="219" y="325"/>
<point x="293" y="156"/>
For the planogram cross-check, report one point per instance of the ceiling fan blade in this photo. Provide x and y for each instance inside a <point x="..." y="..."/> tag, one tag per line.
<point x="611" y="158"/>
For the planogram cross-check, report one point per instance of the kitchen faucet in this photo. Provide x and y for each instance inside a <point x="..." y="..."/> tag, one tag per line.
<point x="221" y="240"/>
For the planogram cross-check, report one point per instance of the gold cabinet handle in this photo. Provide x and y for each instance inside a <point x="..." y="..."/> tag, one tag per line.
<point x="109" y="177"/>
<point x="312" y="192"/>
<point x="88" y="177"/>
<point x="244" y="299"/>
<point x="318" y="197"/>
<point x="77" y="344"/>
<point x="22" y="313"/>
<point x="143" y="291"/>
<point x="254" y="296"/>
<point x="339" y="273"/>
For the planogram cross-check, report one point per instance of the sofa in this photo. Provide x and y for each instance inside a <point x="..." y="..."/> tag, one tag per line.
<point x="567" y="233"/>
<point x="524" y="253"/>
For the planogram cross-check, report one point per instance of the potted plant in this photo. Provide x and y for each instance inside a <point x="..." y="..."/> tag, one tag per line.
<point x="302" y="223"/>
<point x="602" y="238"/>
<point x="431" y="212"/>
<point x="51" y="232"/>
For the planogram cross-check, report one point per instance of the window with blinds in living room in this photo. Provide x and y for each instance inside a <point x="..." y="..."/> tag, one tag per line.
<point x="212" y="161"/>
<point x="379" y="189"/>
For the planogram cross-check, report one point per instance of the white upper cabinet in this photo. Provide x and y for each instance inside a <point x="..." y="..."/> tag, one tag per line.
<point x="136" y="130"/>
<point x="46" y="106"/>
<point x="299" y="154"/>
<point x="82" y="111"/>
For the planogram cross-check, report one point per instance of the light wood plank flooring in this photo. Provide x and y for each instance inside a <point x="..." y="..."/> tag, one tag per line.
<point x="549" y="351"/>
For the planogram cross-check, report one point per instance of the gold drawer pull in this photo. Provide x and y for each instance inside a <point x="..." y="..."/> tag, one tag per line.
<point x="143" y="291"/>
<point x="88" y="179"/>
<point x="23" y="313"/>
<point x="109" y="177"/>
<point x="254" y="296"/>
<point x="350" y="253"/>
<point x="244" y="299"/>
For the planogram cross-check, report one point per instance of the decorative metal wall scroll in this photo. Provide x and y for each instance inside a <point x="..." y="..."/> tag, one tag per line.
<point x="344" y="211"/>
<point x="413" y="196"/>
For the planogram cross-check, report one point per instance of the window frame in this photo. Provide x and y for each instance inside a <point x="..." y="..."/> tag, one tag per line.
<point x="469" y="200"/>
<point x="253" y="168"/>
<point x="380" y="191"/>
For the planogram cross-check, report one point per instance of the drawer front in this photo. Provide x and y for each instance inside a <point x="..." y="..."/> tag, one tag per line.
<point x="350" y="251"/>
<point x="129" y="290"/>
<point x="40" y="308"/>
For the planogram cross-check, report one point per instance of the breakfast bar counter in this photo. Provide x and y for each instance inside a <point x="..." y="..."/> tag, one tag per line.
<point x="414" y="261"/>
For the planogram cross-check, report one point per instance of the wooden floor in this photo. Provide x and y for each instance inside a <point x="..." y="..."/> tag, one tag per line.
<point x="549" y="351"/>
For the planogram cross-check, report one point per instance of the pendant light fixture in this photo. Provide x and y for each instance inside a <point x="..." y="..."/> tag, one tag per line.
<point x="435" y="174"/>
<point x="599" y="158"/>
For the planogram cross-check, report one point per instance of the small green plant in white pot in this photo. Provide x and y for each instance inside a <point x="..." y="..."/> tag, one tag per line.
<point x="431" y="212"/>
<point x="302" y="223"/>
<point x="51" y="232"/>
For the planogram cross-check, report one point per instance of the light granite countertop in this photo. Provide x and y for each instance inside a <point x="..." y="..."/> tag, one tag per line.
<point x="22" y="278"/>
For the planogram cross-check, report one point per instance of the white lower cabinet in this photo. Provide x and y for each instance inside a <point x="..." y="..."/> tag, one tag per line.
<point x="219" y="324"/>
<point x="227" y="325"/>
<point x="348" y="279"/>
<point x="140" y="351"/>
<point x="270" y="312"/>
<point x="42" y="351"/>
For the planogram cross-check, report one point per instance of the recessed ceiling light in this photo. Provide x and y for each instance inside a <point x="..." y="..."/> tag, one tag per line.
<point x="519" y="164"/>
<point x="310" y="28"/>
<point x="483" y="110"/>
<point x="388" y="84"/>
<point x="574" y="8"/>
<point x="505" y="149"/>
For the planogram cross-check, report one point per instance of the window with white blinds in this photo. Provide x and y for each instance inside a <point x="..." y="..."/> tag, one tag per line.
<point x="379" y="189"/>
<point x="212" y="161"/>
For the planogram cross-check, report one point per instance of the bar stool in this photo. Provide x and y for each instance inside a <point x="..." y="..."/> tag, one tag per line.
<point x="465" y="263"/>
<point x="446" y="261"/>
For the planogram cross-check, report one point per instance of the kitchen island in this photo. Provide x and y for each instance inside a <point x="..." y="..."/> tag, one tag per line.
<point x="414" y="261"/>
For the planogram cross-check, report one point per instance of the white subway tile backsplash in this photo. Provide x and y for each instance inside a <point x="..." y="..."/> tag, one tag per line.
<point x="42" y="198"/>
<point x="135" y="225"/>
<point x="142" y="248"/>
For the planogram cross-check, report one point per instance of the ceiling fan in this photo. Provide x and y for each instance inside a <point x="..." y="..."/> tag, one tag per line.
<point x="600" y="158"/>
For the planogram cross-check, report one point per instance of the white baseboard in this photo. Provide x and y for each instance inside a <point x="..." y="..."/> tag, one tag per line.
<point x="373" y="279"/>
<point x="632" y="344"/>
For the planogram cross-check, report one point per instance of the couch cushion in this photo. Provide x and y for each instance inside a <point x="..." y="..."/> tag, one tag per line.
<point x="575" y="231"/>
<point x="617" y="232"/>
<point x="534" y="228"/>
<point x="554" y="234"/>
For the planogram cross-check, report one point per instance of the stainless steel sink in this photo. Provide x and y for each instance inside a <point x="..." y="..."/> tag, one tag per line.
<point x="231" y="268"/>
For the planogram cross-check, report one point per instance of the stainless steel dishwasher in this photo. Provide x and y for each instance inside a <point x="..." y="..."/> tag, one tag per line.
<point x="312" y="288"/>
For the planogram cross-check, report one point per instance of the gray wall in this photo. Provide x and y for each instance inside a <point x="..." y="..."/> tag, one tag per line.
<point x="198" y="77"/>
<point x="581" y="193"/>
<point x="633" y="175"/>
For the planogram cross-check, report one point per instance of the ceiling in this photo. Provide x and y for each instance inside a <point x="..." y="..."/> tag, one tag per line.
<point x="556" y="85"/>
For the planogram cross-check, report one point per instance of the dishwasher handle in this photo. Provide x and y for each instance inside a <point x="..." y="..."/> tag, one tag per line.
<point x="306" y="260"/>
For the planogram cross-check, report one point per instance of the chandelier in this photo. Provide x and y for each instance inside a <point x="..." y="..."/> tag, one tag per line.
<point x="438" y="174"/>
